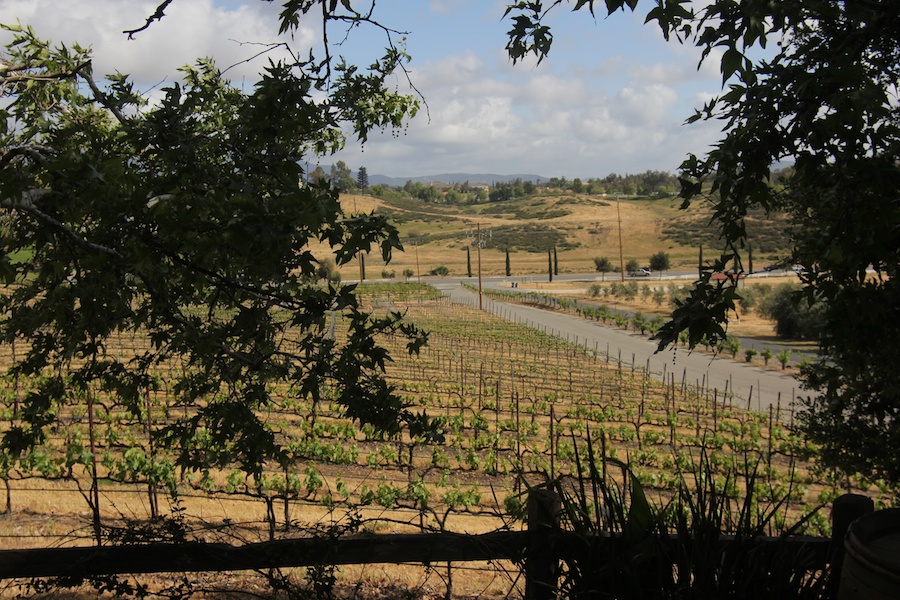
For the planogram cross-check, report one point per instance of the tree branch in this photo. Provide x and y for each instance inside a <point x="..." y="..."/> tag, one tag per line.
<point x="13" y="79"/>
<point x="156" y="16"/>
<point x="104" y="99"/>
<point x="27" y="205"/>
<point x="37" y="152"/>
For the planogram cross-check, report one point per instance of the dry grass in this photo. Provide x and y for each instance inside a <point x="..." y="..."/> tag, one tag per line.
<point x="589" y="223"/>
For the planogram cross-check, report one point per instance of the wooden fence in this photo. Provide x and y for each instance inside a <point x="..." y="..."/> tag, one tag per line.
<point x="532" y="548"/>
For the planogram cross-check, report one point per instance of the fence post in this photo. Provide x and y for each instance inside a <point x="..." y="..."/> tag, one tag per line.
<point x="540" y="559"/>
<point x="845" y="509"/>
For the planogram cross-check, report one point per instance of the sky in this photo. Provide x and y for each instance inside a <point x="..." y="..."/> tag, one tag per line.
<point x="611" y="97"/>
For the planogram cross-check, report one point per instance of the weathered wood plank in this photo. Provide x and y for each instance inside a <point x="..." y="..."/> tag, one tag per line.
<point x="193" y="556"/>
<point x="365" y="549"/>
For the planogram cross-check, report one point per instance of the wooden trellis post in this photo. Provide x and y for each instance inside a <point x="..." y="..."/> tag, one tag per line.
<point x="540" y="559"/>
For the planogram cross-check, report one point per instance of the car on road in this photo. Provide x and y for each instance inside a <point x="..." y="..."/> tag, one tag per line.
<point x="643" y="272"/>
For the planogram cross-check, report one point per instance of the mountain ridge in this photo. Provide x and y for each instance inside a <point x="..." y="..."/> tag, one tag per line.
<point x="450" y="178"/>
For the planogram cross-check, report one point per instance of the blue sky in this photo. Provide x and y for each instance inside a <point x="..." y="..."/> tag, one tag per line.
<point x="611" y="97"/>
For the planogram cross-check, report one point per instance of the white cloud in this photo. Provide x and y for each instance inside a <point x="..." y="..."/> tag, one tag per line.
<point x="190" y="30"/>
<point x="645" y="103"/>
<point x="589" y="110"/>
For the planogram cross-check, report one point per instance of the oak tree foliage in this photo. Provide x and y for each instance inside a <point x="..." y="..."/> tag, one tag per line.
<point x="187" y="221"/>
<point x="824" y="96"/>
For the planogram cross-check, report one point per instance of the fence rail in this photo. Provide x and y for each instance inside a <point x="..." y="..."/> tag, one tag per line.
<point x="531" y="548"/>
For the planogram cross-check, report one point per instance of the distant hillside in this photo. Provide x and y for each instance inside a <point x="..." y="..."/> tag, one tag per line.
<point x="579" y="227"/>
<point x="483" y="178"/>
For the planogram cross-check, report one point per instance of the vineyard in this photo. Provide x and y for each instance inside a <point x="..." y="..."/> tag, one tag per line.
<point x="518" y="407"/>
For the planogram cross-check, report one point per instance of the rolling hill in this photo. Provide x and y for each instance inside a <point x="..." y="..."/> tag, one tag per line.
<point x="450" y="178"/>
<point x="580" y="227"/>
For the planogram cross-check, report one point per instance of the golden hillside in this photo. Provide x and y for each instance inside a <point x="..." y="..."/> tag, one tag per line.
<point x="580" y="227"/>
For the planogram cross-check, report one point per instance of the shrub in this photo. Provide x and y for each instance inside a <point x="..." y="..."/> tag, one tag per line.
<point x="640" y="322"/>
<point x="678" y="294"/>
<point x="630" y="290"/>
<point x="440" y="271"/>
<point x="753" y="296"/>
<point x="732" y="345"/>
<point x="784" y="356"/>
<point x="326" y="269"/>
<point x="793" y="316"/>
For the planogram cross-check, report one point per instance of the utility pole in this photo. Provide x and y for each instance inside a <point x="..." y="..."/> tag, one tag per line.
<point x="359" y="255"/>
<point x="621" y="255"/>
<point x="479" y="265"/>
<point x="418" y="271"/>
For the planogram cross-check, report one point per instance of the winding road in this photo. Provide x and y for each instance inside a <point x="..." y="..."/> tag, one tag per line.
<point x="751" y="386"/>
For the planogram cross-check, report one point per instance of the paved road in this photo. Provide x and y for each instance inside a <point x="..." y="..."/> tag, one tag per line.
<point x="721" y="374"/>
<point x="502" y="283"/>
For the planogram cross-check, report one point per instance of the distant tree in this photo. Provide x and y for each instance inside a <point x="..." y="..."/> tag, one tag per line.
<point x="508" y="269"/>
<point x="440" y="271"/>
<point x="595" y="187"/>
<point x="559" y="183"/>
<point x="341" y="177"/>
<point x="380" y="190"/>
<point x="603" y="266"/>
<point x="577" y="186"/>
<point x="362" y="180"/>
<point x="408" y="274"/>
<point x="453" y="197"/>
<point x="318" y="177"/>
<point x="500" y="193"/>
<point x="326" y="269"/>
<point x="550" y="266"/>
<point x="468" y="261"/>
<point x="428" y="193"/>
<point x="793" y="315"/>
<point x="659" y="262"/>
<point x="555" y="262"/>
<point x="632" y="266"/>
